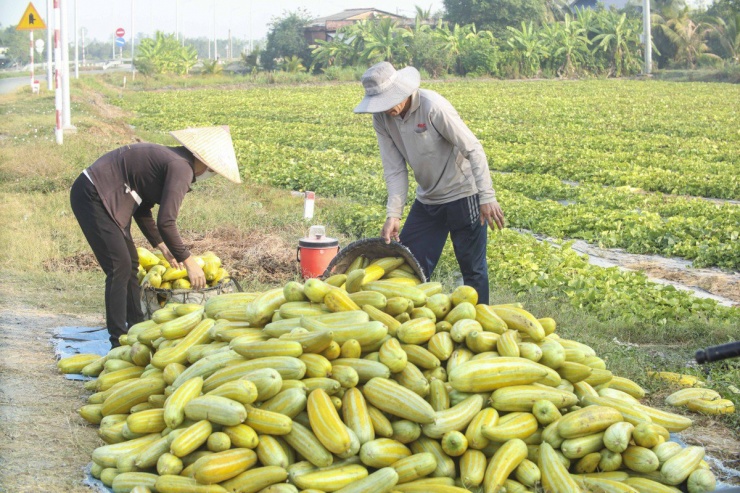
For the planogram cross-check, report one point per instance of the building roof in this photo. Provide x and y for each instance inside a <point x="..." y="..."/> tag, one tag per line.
<point x="352" y="14"/>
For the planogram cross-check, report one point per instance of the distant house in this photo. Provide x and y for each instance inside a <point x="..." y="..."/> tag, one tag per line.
<point x="609" y="4"/>
<point x="325" y="28"/>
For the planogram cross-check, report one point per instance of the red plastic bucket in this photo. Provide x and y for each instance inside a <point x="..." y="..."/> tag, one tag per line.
<point x="315" y="252"/>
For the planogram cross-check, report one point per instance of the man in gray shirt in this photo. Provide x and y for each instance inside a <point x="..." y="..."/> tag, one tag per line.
<point x="454" y="196"/>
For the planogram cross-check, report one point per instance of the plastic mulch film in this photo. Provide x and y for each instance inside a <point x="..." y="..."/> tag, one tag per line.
<point x="717" y="467"/>
<point x="69" y="341"/>
<point x="94" y="484"/>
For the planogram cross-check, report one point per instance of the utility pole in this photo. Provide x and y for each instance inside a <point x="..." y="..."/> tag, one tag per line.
<point x="77" y="53"/>
<point x="133" y="42"/>
<point x="215" y="43"/>
<point x="82" y="33"/>
<point x="49" y="45"/>
<point x="647" y="37"/>
<point x="231" y="47"/>
<point x="177" y="36"/>
<point x="66" y="113"/>
<point x="58" y="105"/>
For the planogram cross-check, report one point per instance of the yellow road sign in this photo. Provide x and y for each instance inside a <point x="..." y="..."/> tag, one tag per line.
<point x="31" y="20"/>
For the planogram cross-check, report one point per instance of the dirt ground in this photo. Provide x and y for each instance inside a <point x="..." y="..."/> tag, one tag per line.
<point x="248" y="256"/>
<point x="711" y="280"/>
<point x="44" y="444"/>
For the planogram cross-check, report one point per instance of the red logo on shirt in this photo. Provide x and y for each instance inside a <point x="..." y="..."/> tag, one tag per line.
<point x="422" y="126"/>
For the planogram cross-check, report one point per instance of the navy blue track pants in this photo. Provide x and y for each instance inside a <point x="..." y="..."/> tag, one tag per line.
<point x="425" y="233"/>
<point x="116" y="253"/>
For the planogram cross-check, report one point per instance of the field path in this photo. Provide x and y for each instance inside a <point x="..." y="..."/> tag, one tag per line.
<point x="44" y="444"/>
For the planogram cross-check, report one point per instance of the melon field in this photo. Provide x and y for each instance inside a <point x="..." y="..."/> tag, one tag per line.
<point x="621" y="197"/>
<point x="618" y="164"/>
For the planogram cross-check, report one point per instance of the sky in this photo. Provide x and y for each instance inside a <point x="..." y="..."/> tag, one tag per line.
<point x="101" y="18"/>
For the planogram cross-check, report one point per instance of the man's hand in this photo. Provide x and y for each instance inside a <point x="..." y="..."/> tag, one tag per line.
<point x="195" y="273"/>
<point x="491" y="214"/>
<point x="390" y="230"/>
<point x="168" y="255"/>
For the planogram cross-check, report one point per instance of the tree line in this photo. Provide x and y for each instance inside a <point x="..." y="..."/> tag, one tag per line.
<point x="501" y="38"/>
<point x="518" y="38"/>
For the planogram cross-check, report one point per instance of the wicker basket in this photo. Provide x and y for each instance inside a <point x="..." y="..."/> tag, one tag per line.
<point x="372" y="248"/>
<point x="152" y="299"/>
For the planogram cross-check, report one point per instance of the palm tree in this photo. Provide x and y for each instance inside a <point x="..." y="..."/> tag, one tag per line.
<point x="422" y="19"/>
<point x="423" y="15"/>
<point x="212" y="67"/>
<point x="688" y="38"/>
<point x="293" y="64"/>
<point x="556" y="10"/>
<point x="668" y="9"/>
<point x="728" y="35"/>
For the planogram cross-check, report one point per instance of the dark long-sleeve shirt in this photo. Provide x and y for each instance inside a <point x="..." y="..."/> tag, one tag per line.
<point x="132" y="178"/>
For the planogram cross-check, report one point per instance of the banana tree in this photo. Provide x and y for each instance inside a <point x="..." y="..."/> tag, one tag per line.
<point x="386" y="41"/>
<point x="353" y="36"/>
<point x="336" y="52"/>
<point x="565" y="46"/>
<point x="187" y="57"/>
<point x="452" y="41"/>
<point x="159" y="54"/>
<point x="617" y="36"/>
<point x="528" y="48"/>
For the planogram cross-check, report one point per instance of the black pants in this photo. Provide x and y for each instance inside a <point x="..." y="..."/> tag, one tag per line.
<point x="425" y="233"/>
<point x="114" y="248"/>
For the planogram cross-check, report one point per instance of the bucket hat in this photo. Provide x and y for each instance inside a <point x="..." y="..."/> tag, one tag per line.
<point x="385" y="87"/>
<point x="212" y="146"/>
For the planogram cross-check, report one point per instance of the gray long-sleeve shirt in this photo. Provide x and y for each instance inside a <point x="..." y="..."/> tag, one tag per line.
<point x="447" y="159"/>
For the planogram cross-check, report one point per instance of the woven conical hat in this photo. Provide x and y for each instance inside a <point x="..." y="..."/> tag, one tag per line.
<point x="213" y="146"/>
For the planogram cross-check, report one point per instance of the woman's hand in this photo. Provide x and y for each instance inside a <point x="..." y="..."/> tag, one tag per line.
<point x="391" y="229"/>
<point x="168" y="255"/>
<point x="195" y="273"/>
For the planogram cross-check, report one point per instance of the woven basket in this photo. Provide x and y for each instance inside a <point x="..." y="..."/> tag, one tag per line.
<point x="152" y="299"/>
<point x="372" y="248"/>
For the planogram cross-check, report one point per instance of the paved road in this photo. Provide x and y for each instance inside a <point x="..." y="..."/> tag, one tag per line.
<point x="12" y="83"/>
